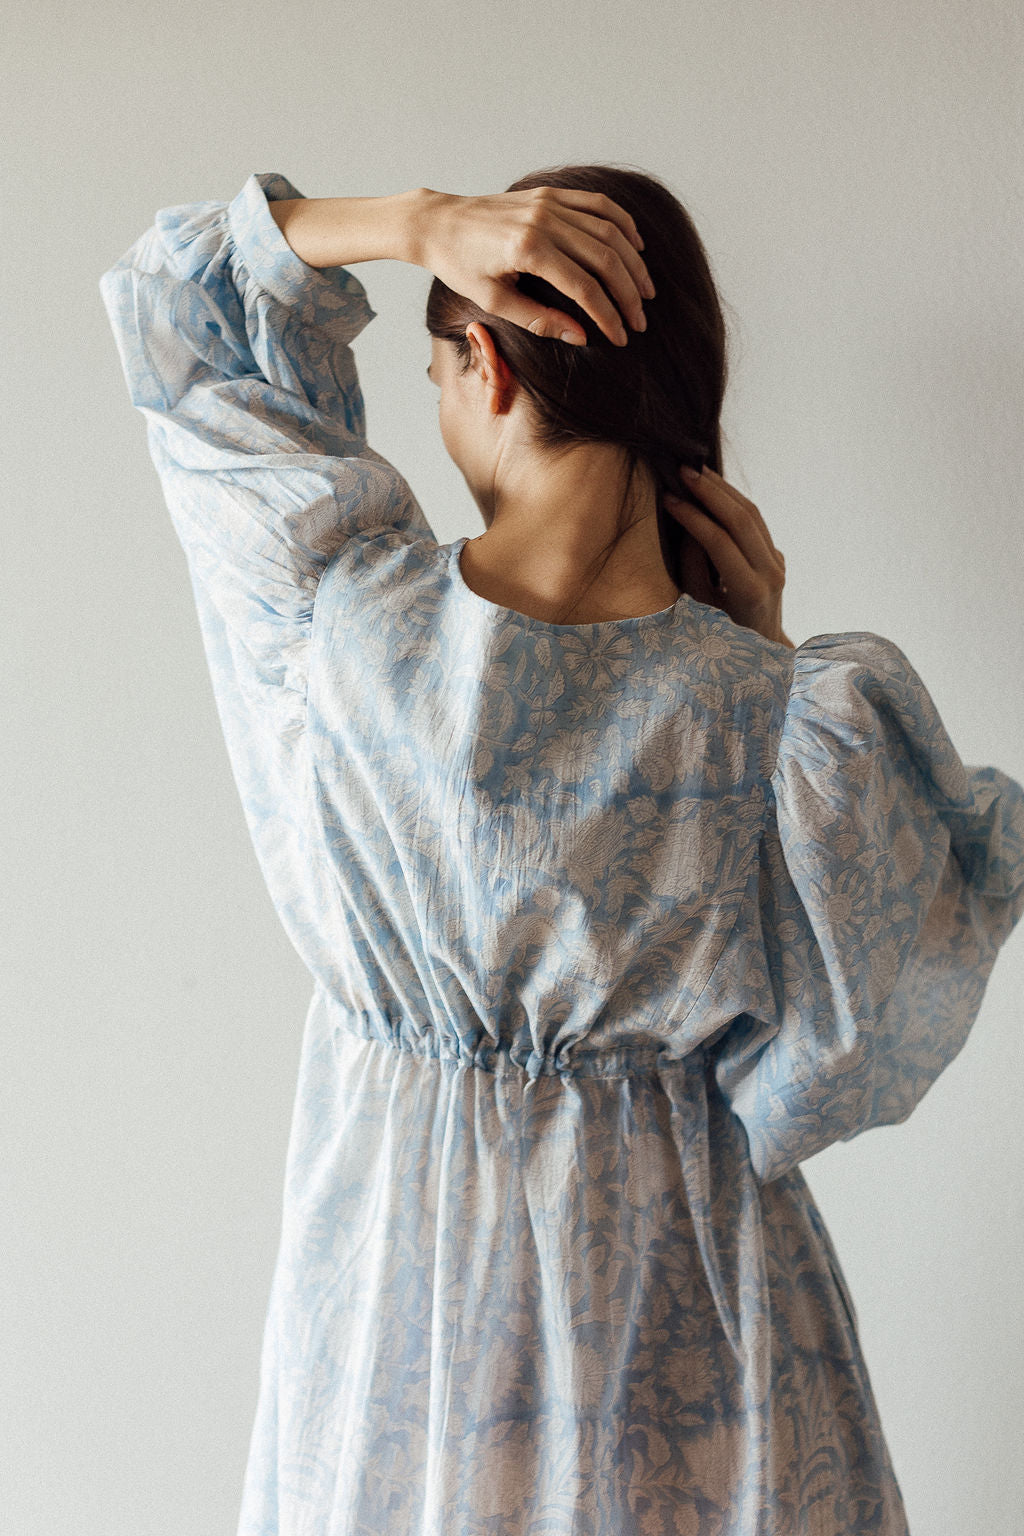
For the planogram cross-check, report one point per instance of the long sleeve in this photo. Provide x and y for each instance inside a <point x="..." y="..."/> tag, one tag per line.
<point x="238" y="356"/>
<point x="891" y="876"/>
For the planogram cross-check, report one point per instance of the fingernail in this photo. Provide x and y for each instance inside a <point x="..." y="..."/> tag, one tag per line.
<point x="641" y="324"/>
<point x="623" y="338"/>
<point x="689" y="474"/>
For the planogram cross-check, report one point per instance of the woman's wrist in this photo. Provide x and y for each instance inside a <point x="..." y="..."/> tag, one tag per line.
<point x="426" y="213"/>
<point x="340" y="231"/>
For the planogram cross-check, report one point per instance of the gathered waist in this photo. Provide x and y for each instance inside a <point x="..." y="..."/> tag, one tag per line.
<point x="519" y="1054"/>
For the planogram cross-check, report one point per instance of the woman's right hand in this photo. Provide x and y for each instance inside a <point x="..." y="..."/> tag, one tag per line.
<point x="731" y="537"/>
<point x="583" y="243"/>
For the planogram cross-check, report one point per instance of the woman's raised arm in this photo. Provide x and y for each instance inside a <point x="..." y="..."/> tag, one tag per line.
<point x="583" y="243"/>
<point x="239" y="357"/>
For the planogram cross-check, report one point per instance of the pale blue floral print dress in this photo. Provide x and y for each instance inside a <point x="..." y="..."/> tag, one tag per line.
<point x="611" y="925"/>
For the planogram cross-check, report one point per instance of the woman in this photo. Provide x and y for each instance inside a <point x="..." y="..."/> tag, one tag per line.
<point x="618" y="906"/>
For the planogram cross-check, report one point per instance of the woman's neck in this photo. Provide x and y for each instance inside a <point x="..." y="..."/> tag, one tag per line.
<point x="557" y="574"/>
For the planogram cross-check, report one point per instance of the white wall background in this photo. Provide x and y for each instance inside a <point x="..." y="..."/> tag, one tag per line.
<point x="854" y="169"/>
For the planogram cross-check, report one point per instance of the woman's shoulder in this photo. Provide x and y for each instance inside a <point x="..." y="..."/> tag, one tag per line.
<point x="812" y="702"/>
<point x="850" y="680"/>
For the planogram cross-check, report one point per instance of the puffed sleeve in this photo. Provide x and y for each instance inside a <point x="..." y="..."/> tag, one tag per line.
<point x="892" y="873"/>
<point x="238" y="356"/>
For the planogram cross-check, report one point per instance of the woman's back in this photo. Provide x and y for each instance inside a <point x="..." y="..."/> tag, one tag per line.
<point x="562" y="821"/>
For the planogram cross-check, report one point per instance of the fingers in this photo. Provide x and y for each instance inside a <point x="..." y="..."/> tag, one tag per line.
<point x="726" y="502"/>
<point x="604" y="249"/>
<point x="740" y="516"/>
<point x="734" y="537"/>
<point x="733" y="569"/>
<point x="564" y="272"/>
<point x="509" y="304"/>
<point x="584" y="245"/>
<point x="607" y="264"/>
<point x="609" y="230"/>
<point x="598" y="205"/>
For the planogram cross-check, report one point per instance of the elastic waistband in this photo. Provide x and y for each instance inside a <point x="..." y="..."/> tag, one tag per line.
<point x="477" y="1049"/>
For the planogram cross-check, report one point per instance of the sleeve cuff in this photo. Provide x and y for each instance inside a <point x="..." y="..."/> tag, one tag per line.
<point x="330" y="297"/>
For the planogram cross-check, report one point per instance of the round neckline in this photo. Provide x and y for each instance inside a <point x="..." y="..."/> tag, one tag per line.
<point x="513" y="616"/>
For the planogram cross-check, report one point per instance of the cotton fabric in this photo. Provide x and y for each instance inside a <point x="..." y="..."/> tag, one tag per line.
<point x="611" y="926"/>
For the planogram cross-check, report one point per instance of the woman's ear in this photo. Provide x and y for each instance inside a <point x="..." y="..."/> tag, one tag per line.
<point x="488" y="362"/>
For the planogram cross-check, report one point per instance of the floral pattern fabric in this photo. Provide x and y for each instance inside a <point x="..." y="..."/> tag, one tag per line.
<point x="610" y="927"/>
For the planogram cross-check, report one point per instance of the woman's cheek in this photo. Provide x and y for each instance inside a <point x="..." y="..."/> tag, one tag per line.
<point x="448" y="433"/>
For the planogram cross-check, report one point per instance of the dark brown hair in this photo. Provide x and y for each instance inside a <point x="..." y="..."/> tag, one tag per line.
<point x="660" y="396"/>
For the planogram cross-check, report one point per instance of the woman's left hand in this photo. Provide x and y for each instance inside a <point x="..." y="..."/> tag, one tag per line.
<point x="731" y="537"/>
